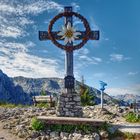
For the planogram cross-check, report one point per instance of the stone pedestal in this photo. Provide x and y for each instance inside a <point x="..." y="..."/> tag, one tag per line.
<point x="69" y="105"/>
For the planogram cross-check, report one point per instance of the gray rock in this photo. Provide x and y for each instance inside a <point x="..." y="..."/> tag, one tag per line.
<point x="46" y="137"/>
<point x="96" y="136"/>
<point x="54" y="134"/>
<point x="104" y="134"/>
<point x="77" y="136"/>
<point x="64" y="134"/>
<point x="34" y="134"/>
<point x="22" y="133"/>
<point x="85" y="139"/>
<point x="7" y="126"/>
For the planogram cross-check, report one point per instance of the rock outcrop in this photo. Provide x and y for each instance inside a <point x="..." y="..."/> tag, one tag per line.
<point x="11" y="93"/>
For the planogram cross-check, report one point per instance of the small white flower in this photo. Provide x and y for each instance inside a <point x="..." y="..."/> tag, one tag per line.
<point x="68" y="33"/>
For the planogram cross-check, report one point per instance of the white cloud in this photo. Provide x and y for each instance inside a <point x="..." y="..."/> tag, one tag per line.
<point x="84" y="59"/>
<point x="88" y="60"/>
<point x="37" y="7"/>
<point x="132" y="73"/>
<point x="14" y="15"/>
<point x="118" y="57"/>
<point x="15" y="57"/>
<point x="76" y="22"/>
<point x="28" y="7"/>
<point x="97" y="59"/>
<point x="6" y="8"/>
<point x="82" y="51"/>
<point x="16" y="61"/>
<point x="11" y="31"/>
<point x="133" y="89"/>
<point x="25" y="21"/>
<point x="75" y="6"/>
<point x="83" y="55"/>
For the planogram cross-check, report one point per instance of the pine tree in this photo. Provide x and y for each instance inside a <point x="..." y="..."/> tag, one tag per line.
<point x="86" y="97"/>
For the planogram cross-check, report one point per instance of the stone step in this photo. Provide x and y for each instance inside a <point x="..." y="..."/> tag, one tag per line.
<point x="71" y="120"/>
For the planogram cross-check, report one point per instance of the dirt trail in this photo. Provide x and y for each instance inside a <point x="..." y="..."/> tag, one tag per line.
<point x="5" y="135"/>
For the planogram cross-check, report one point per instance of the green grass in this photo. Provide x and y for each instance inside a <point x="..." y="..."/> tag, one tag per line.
<point x="40" y="105"/>
<point x="71" y="128"/>
<point x="129" y="136"/>
<point x="122" y="135"/>
<point x="10" y="105"/>
<point x="37" y="124"/>
<point x="132" y="117"/>
<point x="83" y="128"/>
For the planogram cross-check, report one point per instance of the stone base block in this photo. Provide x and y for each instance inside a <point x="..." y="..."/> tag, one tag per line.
<point x="69" y="105"/>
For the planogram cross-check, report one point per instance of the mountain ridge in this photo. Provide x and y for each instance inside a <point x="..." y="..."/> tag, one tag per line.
<point x="32" y="86"/>
<point x="129" y="98"/>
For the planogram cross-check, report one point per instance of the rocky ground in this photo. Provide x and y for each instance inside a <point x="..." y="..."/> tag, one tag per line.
<point x="15" y="123"/>
<point x="110" y="113"/>
<point x="6" y="135"/>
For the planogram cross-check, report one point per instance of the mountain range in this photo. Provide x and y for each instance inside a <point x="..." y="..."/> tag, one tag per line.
<point x="129" y="98"/>
<point x="19" y="90"/>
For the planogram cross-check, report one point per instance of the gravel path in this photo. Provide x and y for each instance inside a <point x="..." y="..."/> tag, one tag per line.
<point x="5" y="135"/>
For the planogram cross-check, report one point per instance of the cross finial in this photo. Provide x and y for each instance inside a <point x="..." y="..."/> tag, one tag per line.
<point x="68" y="8"/>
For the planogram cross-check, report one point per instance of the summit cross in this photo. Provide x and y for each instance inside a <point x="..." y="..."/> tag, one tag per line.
<point x="69" y="104"/>
<point x="44" y="35"/>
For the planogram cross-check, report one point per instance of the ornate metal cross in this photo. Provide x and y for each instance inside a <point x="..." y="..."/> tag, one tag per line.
<point x="82" y="36"/>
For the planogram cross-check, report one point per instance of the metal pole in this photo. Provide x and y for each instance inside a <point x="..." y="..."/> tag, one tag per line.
<point x="101" y="99"/>
<point x="103" y="84"/>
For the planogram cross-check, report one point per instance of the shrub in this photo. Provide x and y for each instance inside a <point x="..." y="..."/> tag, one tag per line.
<point x="132" y="117"/>
<point x="122" y="135"/>
<point x="37" y="124"/>
<point x="129" y="136"/>
<point x="86" y="97"/>
<point x="71" y="128"/>
<point x="105" y="126"/>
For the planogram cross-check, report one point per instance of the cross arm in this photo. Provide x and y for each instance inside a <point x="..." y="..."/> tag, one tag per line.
<point x="43" y="35"/>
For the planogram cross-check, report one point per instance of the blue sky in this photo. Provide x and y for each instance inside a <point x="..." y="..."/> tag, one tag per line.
<point x="113" y="59"/>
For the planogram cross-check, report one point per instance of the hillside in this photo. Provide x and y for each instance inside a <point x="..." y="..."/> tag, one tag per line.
<point x="21" y="89"/>
<point x="11" y="93"/>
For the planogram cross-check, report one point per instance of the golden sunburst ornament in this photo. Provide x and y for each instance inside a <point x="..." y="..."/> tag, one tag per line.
<point x="68" y="33"/>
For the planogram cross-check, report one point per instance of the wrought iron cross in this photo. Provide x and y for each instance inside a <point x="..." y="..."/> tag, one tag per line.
<point x="69" y="47"/>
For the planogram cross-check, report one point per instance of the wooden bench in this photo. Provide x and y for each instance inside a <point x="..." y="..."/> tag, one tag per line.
<point x="70" y="120"/>
<point x="44" y="99"/>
